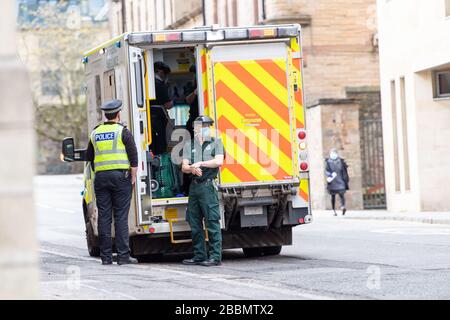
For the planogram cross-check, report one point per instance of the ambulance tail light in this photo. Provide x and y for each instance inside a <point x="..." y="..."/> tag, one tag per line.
<point x="303" y="166"/>
<point x="262" y="33"/>
<point x="167" y="37"/>
<point x="301" y="135"/>
<point x="303" y="154"/>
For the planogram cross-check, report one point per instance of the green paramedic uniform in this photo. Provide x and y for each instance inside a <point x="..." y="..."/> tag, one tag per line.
<point x="204" y="201"/>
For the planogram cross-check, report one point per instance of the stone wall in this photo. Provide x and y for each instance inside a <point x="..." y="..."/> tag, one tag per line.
<point x="339" y="123"/>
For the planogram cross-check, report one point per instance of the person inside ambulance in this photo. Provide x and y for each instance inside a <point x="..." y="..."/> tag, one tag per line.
<point x="162" y="71"/>
<point x="192" y="101"/>
<point x="159" y="106"/>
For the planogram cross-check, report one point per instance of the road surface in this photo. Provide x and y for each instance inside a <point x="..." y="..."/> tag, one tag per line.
<point x="331" y="258"/>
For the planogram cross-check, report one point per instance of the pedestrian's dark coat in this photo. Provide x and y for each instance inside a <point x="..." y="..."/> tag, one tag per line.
<point x="340" y="182"/>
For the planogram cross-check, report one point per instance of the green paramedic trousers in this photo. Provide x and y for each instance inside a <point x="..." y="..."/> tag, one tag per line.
<point x="204" y="203"/>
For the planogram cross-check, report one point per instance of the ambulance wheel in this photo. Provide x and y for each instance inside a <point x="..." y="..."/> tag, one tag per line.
<point x="272" y="251"/>
<point x="252" y="252"/>
<point x="92" y="241"/>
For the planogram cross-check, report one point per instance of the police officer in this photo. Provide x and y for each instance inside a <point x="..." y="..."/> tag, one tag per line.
<point x="202" y="157"/>
<point x="113" y="152"/>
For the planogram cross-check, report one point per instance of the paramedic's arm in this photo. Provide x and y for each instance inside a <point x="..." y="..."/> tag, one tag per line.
<point x="214" y="163"/>
<point x="186" y="168"/>
<point x="218" y="158"/>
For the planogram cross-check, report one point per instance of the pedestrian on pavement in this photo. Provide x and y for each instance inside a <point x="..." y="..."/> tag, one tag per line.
<point x="202" y="157"/>
<point x="114" y="155"/>
<point x="337" y="179"/>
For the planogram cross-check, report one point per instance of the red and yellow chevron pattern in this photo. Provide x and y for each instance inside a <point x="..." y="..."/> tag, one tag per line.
<point x="252" y="110"/>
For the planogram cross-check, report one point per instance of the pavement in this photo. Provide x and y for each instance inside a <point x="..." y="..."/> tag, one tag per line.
<point x="422" y="217"/>
<point x="331" y="258"/>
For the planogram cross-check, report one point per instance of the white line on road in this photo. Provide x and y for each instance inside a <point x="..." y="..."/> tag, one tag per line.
<point x="253" y="284"/>
<point x="414" y="231"/>
<point x="212" y="277"/>
<point x="64" y="255"/>
<point x="46" y="206"/>
<point x="108" y="292"/>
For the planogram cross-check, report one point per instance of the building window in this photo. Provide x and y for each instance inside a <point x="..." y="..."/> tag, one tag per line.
<point x="395" y="136"/>
<point x="49" y="82"/>
<point x="405" y="135"/>
<point x="442" y="84"/>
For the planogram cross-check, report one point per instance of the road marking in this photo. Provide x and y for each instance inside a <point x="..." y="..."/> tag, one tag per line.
<point x="414" y="231"/>
<point x="254" y="284"/>
<point x="46" y="206"/>
<point x="108" y="292"/>
<point x="64" y="255"/>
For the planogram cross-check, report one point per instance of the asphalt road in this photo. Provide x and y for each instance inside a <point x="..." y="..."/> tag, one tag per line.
<point x="331" y="258"/>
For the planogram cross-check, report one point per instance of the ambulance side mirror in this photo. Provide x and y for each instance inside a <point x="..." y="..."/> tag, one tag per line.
<point x="69" y="153"/>
<point x="68" y="149"/>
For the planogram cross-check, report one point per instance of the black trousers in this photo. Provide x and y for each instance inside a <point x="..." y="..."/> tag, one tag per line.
<point x="113" y="190"/>
<point x="341" y="194"/>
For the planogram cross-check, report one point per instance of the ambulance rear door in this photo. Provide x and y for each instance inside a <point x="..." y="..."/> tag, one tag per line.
<point x="253" y="109"/>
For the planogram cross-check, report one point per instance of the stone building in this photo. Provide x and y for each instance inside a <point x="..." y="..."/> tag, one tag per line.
<point x="341" y="75"/>
<point x="415" y="91"/>
<point x="51" y="39"/>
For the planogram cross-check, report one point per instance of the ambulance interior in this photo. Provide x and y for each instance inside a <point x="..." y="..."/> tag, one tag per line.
<point x="167" y="180"/>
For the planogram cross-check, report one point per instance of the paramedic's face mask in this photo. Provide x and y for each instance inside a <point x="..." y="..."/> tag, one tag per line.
<point x="203" y="132"/>
<point x="206" y="132"/>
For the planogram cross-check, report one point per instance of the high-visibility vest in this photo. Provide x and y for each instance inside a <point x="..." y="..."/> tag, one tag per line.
<point x="110" y="152"/>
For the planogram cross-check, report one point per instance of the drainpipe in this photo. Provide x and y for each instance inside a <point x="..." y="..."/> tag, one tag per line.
<point x="203" y="12"/>
<point x="124" y="16"/>
<point x="263" y="10"/>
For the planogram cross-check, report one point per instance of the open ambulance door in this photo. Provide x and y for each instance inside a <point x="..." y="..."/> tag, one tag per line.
<point x="140" y="63"/>
<point x="253" y="109"/>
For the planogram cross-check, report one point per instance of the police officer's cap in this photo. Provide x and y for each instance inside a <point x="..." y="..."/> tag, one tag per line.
<point x="159" y="65"/>
<point x="112" y="106"/>
<point x="204" y="120"/>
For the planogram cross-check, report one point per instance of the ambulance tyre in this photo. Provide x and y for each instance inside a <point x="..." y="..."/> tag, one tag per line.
<point x="92" y="241"/>
<point x="253" y="252"/>
<point x="272" y="251"/>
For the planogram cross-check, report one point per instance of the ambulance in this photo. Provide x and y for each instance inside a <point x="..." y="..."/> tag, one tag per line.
<point x="249" y="81"/>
